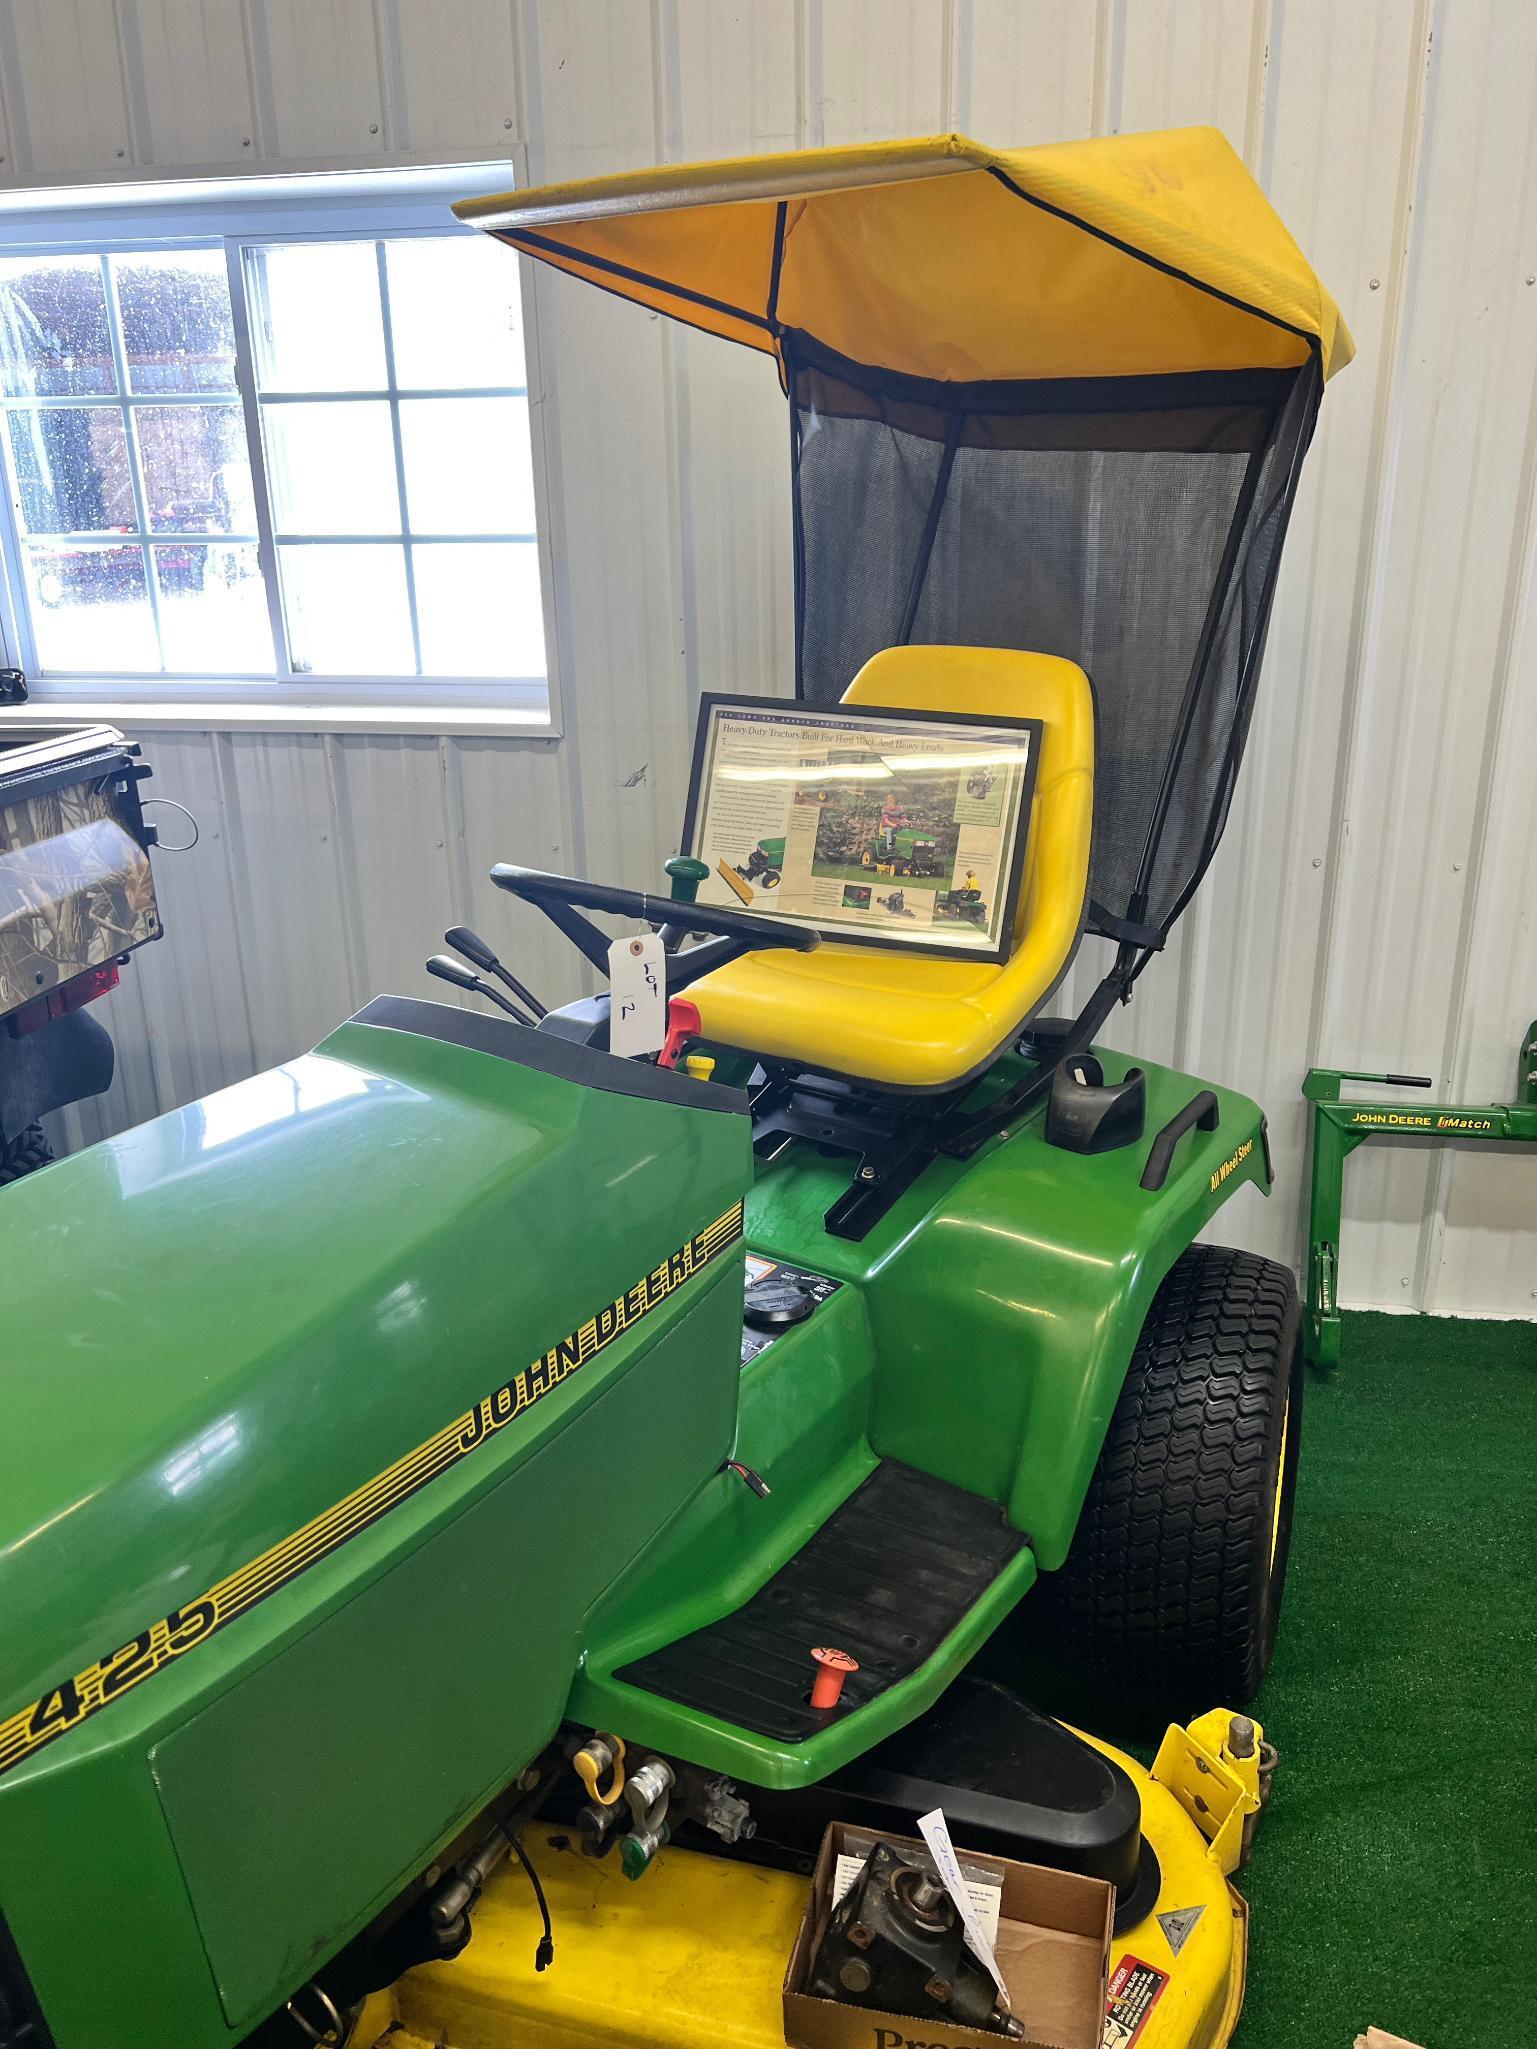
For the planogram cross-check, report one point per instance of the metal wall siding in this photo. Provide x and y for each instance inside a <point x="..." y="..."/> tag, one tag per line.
<point x="189" y="82"/>
<point x="469" y="105"/>
<point x="1373" y="900"/>
<point x="319" y="77"/>
<point x="65" y="88"/>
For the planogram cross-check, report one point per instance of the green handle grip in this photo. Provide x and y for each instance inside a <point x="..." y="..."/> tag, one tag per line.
<point x="687" y="874"/>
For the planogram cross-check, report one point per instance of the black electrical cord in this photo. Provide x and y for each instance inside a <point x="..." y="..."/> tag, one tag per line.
<point x="544" y="1955"/>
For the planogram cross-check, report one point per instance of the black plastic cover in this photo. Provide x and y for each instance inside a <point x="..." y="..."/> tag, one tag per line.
<point x="1012" y="1783"/>
<point x="64" y="1061"/>
<point x="1087" y="1114"/>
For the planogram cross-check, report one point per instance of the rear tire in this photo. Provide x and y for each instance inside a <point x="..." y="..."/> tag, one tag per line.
<point x="1172" y="1590"/>
<point x="24" y="1154"/>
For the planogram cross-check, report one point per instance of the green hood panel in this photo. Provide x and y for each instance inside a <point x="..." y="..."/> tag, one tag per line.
<point x="225" y="1321"/>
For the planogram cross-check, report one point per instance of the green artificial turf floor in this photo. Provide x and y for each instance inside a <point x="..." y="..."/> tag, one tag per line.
<point x="1395" y="1876"/>
<point x="1394" y="1880"/>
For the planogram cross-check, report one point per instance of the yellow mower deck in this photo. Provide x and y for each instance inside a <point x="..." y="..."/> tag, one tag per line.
<point x="693" y="1957"/>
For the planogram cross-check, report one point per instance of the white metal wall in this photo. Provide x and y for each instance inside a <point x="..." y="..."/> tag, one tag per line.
<point x="1373" y="901"/>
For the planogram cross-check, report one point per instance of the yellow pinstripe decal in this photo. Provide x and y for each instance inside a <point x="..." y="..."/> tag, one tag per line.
<point x="75" y="1700"/>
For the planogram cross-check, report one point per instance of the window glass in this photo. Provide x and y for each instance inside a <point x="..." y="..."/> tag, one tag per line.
<point x="197" y="476"/>
<point x="479" y="608"/>
<point x="178" y="329"/>
<point x="316" y="313"/>
<point x="467" y="465"/>
<point x="387" y="528"/>
<point x="347" y="609"/>
<point x="331" y="468"/>
<point x="90" y="607"/>
<point x="54" y="337"/>
<point x="71" y="470"/>
<point x="454" y="312"/>
<point x="213" y="607"/>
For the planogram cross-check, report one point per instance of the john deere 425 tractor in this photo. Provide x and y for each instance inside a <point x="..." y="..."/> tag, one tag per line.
<point x="461" y="1417"/>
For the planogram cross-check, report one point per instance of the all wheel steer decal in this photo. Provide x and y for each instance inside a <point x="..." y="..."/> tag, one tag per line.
<point x="77" y="1699"/>
<point x="1232" y="1164"/>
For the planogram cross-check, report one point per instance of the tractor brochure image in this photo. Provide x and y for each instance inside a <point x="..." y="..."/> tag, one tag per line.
<point x="893" y="828"/>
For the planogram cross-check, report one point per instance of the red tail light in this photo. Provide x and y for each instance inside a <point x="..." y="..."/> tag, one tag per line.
<point x="68" y="996"/>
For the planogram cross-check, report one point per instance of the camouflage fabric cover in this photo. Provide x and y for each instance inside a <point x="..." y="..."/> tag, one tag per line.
<point x="75" y="890"/>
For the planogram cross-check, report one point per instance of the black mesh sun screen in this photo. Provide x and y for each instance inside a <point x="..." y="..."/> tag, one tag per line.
<point x="1131" y="524"/>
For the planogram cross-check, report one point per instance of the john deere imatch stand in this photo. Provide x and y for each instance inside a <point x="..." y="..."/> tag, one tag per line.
<point x="1339" y="1127"/>
<point x="396" y="1483"/>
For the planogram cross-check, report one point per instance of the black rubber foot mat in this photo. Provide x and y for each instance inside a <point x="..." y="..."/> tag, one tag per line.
<point x="886" y="1578"/>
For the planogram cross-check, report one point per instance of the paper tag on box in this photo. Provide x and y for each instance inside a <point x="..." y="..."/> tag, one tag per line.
<point x="637" y="984"/>
<point x="935" y="1831"/>
<point x="986" y="1892"/>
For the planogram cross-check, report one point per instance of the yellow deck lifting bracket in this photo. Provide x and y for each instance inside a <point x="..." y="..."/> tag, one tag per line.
<point x="1218" y="1770"/>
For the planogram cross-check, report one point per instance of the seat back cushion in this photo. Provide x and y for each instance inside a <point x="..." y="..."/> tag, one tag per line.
<point x="995" y="682"/>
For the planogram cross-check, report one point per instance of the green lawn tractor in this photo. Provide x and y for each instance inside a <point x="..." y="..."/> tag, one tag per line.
<point x="963" y="906"/>
<point x="765" y="864"/>
<point x="908" y="853"/>
<point x="463" y="1457"/>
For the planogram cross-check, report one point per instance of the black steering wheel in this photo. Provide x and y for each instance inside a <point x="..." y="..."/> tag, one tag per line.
<point x="563" y="898"/>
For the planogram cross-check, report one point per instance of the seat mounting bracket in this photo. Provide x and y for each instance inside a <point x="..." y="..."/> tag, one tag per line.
<point x="891" y="1138"/>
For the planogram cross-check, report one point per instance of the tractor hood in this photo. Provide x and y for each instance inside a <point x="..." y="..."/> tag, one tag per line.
<point x="226" y="1322"/>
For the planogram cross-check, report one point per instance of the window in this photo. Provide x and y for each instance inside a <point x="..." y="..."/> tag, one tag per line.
<point x="295" y="466"/>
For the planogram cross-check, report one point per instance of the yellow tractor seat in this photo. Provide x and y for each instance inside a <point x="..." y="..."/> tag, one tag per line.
<point x="911" y="1021"/>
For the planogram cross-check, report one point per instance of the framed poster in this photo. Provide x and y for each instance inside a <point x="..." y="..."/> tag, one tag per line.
<point x="880" y="827"/>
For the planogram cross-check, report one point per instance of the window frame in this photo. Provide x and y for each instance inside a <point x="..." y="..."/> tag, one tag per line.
<point x="233" y="216"/>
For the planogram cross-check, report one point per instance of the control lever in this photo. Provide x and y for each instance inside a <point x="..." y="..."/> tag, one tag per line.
<point x="475" y="950"/>
<point x="447" y="969"/>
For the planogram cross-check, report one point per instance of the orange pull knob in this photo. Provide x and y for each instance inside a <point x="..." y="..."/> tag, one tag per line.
<point x="833" y="1667"/>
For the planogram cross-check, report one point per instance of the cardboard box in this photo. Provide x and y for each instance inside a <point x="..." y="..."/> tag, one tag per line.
<point x="1053" y="1950"/>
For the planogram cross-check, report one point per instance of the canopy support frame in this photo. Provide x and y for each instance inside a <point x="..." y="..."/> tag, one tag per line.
<point x="1224" y="591"/>
<point x="1248" y="682"/>
<point x="940" y="493"/>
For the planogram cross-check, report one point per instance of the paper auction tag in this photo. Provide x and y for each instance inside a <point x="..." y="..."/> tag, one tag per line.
<point x="638" y="1007"/>
<point x="637" y="982"/>
<point x="936" y="1833"/>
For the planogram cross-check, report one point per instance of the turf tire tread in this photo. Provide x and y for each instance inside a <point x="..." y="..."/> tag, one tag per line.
<point x="1166" y="1593"/>
<point x="24" y="1154"/>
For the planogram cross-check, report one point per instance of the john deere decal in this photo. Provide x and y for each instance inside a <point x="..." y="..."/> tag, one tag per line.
<point x="76" y="1699"/>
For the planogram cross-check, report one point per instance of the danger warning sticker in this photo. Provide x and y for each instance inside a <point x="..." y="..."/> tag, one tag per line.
<point x="1135" y="1989"/>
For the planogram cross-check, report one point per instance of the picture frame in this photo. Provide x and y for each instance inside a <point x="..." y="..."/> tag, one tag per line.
<point x="876" y="825"/>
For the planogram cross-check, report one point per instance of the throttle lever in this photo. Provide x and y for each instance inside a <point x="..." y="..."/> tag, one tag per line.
<point x="447" y="969"/>
<point x="475" y="949"/>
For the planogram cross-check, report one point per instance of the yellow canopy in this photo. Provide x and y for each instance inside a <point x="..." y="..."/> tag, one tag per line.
<point x="938" y="258"/>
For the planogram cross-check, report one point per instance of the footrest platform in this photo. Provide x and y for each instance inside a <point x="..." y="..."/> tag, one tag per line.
<point x="886" y="1578"/>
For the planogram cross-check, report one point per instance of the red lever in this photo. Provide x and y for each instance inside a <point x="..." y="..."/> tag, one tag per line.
<point x="833" y="1667"/>
<point x="683" y="1024"/>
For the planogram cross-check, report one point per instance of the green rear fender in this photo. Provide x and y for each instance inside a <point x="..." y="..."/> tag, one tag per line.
<point x="1005" y="1295"/>
<point x="982" y="1334"/>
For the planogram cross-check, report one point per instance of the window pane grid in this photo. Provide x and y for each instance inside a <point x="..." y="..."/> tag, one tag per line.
<point x="135" y="471"/>
<point x="361" y="424"/>
<point x="454" y="540"/>
<point x="139" y="592"/>
<point x="132" y="399"/>
<point x="399" y="454"/>
<point x="184" y="401"/>
<point x="381" y="391"/>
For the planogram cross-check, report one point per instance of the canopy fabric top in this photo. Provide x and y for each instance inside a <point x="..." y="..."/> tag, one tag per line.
<point x="1132" y="255"/>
